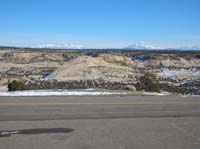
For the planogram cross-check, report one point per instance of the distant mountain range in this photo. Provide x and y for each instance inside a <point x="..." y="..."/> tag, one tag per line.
<point x="188" y="47"/>
<point x="134" y="46"/>
<point x="57" y="46"/>
<point x="142" y="46"/>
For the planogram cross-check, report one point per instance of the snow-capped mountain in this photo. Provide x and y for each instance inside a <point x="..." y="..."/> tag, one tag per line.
<point x="141" y="46"/>
<point x="190" y="47"/>
<point x="62" y="46"/>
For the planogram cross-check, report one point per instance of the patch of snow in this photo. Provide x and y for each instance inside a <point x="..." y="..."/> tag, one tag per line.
<point x="168" y="73"/>
<point x="176" y="73"/>
<point x="90" y="89"/>
<point x="156" y="94"/>
<point x="58" y="93"/>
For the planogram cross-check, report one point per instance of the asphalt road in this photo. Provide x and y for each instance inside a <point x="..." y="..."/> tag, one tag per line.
<point x="64" y="108"/>
<point x="114" y="122"/>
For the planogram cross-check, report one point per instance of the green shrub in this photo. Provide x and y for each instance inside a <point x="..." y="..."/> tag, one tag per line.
<point x="149" y="82"/>
<point x="18" y="86"/>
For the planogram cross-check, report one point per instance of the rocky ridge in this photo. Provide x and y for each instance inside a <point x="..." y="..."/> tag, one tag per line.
<point x="176" y="69"/>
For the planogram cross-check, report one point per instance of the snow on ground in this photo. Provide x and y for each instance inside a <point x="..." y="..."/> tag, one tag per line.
<point x="58" y="93"/>
<point x="156" y="94"/>
<point x="178" y="73"/>
<point x="166" y="73"/>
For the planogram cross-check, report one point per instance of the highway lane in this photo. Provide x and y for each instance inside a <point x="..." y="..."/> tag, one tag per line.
<point x="114" y="122"/>
<point x="139" y="133"/>
<point x="63" y="108"/>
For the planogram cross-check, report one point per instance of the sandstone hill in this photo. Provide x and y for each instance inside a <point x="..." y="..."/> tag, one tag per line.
<point x="105" y="66"/>
<point x="109" y="65"/>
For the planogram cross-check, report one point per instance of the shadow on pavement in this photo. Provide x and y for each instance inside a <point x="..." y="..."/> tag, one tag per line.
<point x="9" y="133"/>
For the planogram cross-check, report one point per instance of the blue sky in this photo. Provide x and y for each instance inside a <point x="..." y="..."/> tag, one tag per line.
<point x="100" y="23"/>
